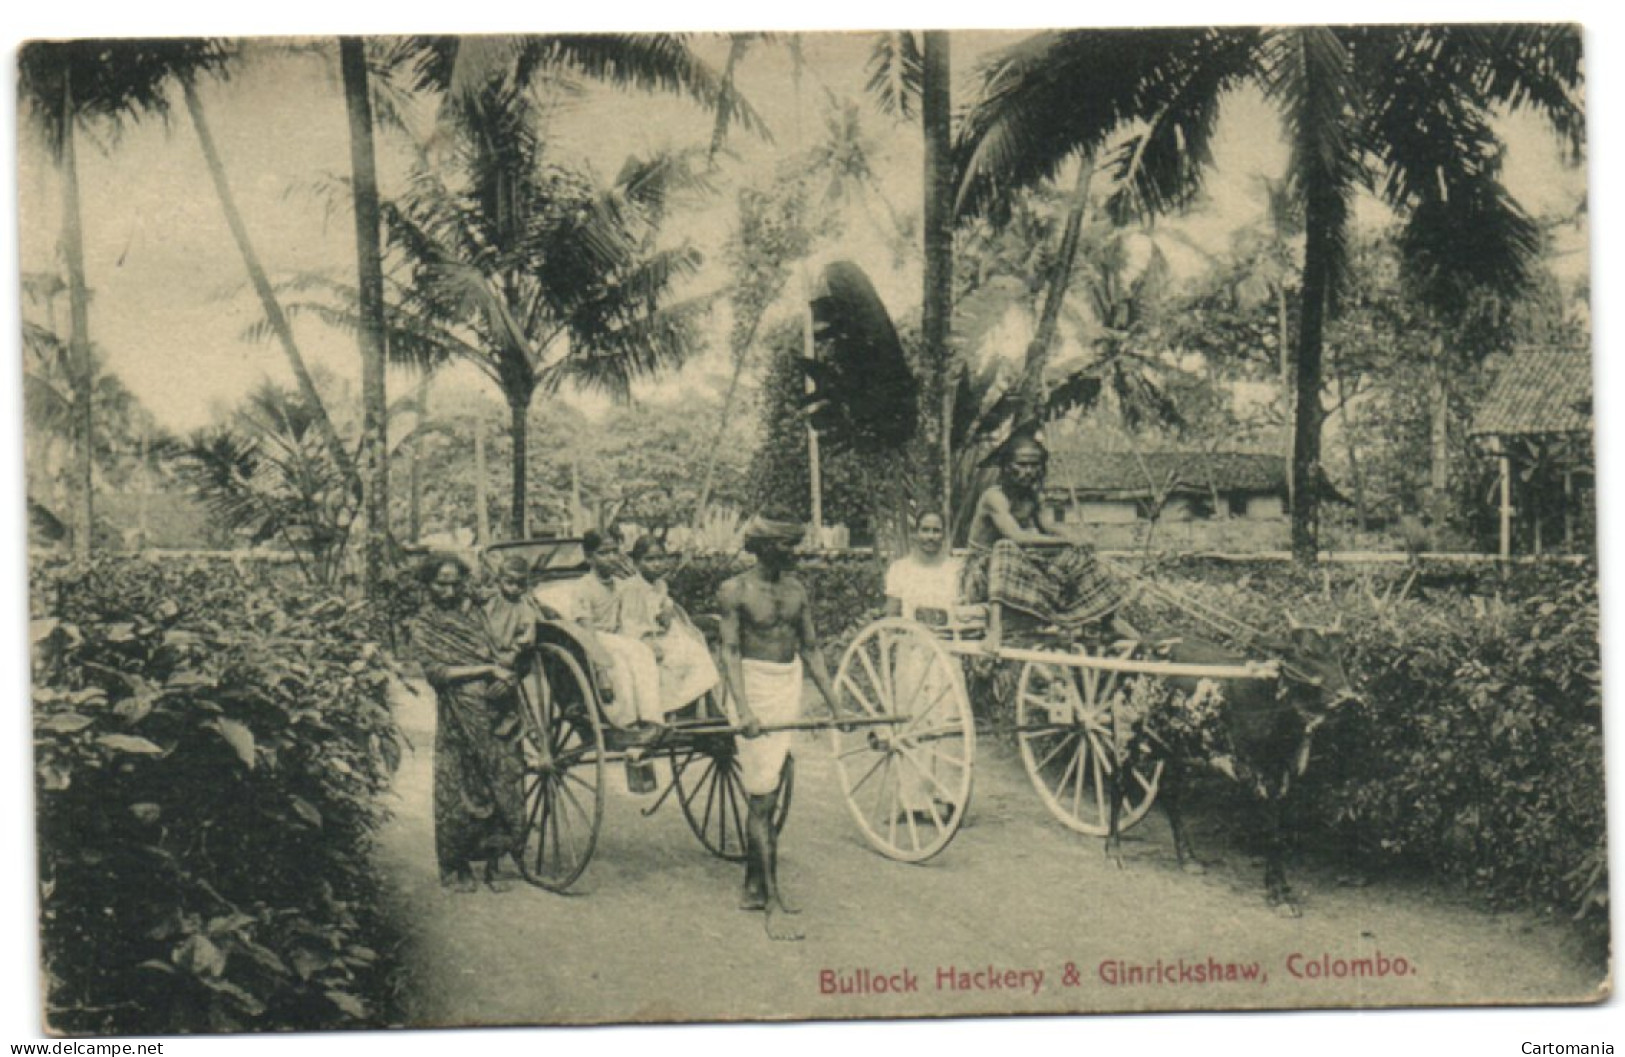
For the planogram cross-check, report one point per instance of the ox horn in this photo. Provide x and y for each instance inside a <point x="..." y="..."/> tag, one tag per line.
<point x="1337" y="622"/>
<point x="1292" y="621"/>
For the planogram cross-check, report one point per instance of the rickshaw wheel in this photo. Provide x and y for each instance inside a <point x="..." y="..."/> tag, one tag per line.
<point x="564" y="770"/>
<point x="907" y="782"/>
<point x="712" y="794"/>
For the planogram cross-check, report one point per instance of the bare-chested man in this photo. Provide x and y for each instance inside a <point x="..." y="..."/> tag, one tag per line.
<point x="767" y="635"/>
<point x="1020" y="560"/>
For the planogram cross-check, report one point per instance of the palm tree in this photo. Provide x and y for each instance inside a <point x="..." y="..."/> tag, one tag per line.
<point x="529" y="271"/>
<point x="906" y="75"/>
<point x="370" y="308"/>
<point x="266" y="476"/>
<point x="64" y="85"/>
<point x="1404" y="111"/>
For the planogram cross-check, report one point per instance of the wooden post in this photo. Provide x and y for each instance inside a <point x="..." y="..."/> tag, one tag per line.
<point x="1506" y="506"/>
<point x="815" y="476"/>
<point x="815" y="480"/>
<point x="1568" y="511"/>
<point x="482" y="516"/>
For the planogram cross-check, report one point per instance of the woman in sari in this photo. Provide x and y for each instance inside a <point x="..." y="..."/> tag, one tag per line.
<point x="478" y="813"/>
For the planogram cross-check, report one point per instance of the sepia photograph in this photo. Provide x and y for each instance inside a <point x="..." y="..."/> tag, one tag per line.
<point x="646" y="527"/>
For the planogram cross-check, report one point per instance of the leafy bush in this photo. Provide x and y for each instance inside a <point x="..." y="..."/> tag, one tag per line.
<point x="1477" y="753"/>
<point x="210" y="748"/>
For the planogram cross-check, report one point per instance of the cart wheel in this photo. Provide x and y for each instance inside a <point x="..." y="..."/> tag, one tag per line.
<point x="907" y="782"/>
<point x="1064" y="728"/>
<point x="564" y="771"/>
<point x="713" y="796"/>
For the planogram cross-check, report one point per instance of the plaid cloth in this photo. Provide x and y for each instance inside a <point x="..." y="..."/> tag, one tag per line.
<point x="1063" y="586"/>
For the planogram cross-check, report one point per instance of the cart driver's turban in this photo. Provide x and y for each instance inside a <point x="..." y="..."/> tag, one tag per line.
<point x="772" y="529"/>
<point x="514" y="565"/>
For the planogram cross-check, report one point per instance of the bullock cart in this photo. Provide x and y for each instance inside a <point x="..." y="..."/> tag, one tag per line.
<point x="1069" y="725"/>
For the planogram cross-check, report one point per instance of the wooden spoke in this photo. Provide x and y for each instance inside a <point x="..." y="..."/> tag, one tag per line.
<point x="929" y="774"/>
<point x="876" y="682"/>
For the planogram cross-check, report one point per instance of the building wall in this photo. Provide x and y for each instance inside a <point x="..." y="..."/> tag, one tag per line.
<point x="1227" y="535"/>
<point x="1099" y="512"/>
<point x="1116" y="525"/>
<point x="1266" y="506"/>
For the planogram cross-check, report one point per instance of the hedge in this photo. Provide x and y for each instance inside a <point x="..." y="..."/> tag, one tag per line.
<point x="1477" y="753"/>
<point x="210" y="753"/>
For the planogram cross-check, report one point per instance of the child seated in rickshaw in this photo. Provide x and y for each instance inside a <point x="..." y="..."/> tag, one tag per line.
<point x="644" y="609"/>
<point x="657" y="664"/>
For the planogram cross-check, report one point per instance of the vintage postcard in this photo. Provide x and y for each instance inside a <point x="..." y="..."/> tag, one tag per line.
<point x="757" y="526"/>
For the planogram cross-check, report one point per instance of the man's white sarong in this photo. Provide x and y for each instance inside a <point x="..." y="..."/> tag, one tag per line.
<point x="773" y="690"/>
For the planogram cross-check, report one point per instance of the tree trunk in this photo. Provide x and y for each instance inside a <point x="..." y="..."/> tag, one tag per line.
<point x="518" y="413"/>
<point x="815" y="469"/>
<point x="370" y="288"/>
<point x="83" y="370"/>
<point x="708" y="478"/>
<point x="1283" y="342"/>
<point x="262" y="286"/>
<point x="939" y="236"/>
<point x="1032" y="372"/>
<point x="1308" y="413"/>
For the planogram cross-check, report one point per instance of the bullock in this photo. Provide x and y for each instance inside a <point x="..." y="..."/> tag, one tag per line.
<point x="1256" y="731"/>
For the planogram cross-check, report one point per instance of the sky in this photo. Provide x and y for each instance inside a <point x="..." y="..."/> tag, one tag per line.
<point x="176" y="222"/>
<point x="171" y="294"/>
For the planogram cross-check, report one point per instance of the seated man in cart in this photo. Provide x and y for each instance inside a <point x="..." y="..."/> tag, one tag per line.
<point x="1019" y="561"/>
<point x="767" y="636"/>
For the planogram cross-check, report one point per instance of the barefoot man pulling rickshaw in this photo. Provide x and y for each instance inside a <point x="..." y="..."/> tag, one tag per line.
<point x="768" y="640"/>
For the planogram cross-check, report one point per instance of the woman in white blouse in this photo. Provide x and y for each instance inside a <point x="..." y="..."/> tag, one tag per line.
<point x="927" y="577"/>
<point x="922" y="586"/>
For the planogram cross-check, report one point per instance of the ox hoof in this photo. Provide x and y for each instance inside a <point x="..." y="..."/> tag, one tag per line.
<point x="1194" y="868"/>
<point x="1286" y="908"/>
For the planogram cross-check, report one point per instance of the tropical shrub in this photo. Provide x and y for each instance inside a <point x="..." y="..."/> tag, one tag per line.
<point x="210" y="748"/>
<point x="1477" y="753"/>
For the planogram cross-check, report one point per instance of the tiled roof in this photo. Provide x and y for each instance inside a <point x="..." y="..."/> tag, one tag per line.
<point x="1538" y="392"/>
<point x="1126" y="475"/>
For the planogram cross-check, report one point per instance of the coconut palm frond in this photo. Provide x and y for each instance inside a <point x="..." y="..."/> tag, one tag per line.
<point x="897" y="73"/>
<point x="650" y="183"/>
<point x="1057" y="95"/>
<point x="632" y="348"/>
<point x="1309" y="72"/>
<point x="110" y="81"/>
<point x="660" y="62"/>
<point x="1160" y="169"/>
<point x="1533" y="66"/>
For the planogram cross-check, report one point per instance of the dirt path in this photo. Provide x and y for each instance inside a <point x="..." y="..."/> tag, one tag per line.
<point x="653" y="931"/>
